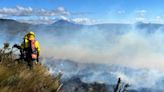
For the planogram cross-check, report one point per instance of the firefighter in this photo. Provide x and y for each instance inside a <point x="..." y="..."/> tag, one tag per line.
<point x="29" y="49"/>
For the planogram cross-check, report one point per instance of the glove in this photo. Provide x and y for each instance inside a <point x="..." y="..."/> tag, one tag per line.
<point x="16" y="46"/>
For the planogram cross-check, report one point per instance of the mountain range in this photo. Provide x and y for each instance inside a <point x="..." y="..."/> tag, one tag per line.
<point x="13" y="27"/>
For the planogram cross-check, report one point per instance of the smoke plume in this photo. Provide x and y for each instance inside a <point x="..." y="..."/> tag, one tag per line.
<point x="133" y="47"/>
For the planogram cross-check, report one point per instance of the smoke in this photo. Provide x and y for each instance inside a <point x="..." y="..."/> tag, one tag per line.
<point x="137" y="48"/>
<point x="108" y="74"/>
<point x="133" y="47"/>
<point x="148" y="78"/>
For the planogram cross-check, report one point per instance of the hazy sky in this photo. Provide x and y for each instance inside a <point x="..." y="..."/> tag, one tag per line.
<point x="84" y="11"/>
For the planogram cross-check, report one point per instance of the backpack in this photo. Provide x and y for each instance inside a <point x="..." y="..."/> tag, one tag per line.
<point x="32" y="49"/>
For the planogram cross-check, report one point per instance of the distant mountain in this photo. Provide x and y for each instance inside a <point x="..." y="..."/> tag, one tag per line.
<point x="61" y="27"/>
<point x="60" y="23"/>
<point x="11" y="28"/>
<point x="63" y="22"/>
<point x="65" y="25"/>
<point x="149" y="27"/>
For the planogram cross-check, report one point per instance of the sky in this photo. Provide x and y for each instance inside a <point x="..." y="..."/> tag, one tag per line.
<point x="83" y="11"/>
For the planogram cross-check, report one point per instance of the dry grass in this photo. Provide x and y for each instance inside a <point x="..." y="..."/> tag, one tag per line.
<point x="17" y="77"/>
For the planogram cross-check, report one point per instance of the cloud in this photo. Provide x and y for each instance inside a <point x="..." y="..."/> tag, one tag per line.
<point x="33" y="15"/>
<point x="140" y="15"/>
<point x="140" y="19"/>
<point x="79" y="20"/>
<point x="60" y="11"/>
<point x="29" y="11"/>
<point x="16" y="11"/>
<point x="158" y="19"/>
<point x="84" y="21"/>
<point x="50" y="20"/>
<point x="2" y="16"/>
<point x="40" y="16"/>
<point x="64" y="18"/>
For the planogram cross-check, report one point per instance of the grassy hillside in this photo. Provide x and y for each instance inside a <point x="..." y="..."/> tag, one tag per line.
<point x="17" y="77"/>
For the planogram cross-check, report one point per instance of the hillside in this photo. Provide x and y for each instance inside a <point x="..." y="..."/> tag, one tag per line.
<point x="17" y="77"/>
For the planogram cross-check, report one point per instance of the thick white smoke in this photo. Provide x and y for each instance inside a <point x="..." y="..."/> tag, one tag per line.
<point x="134" y="47"/>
